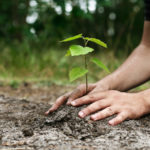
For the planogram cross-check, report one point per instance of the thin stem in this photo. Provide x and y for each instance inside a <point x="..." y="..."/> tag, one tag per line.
<point x="86" y="43"/>
<point x="86" y="76"/>
<point x="86" y="67"/>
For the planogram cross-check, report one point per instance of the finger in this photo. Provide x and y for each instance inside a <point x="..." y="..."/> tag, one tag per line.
<point x="98" y="105"/>
<point x="109" y="111"/>
<point x="120" y="118"/>
<point x="89" y="98"/>
<point x="80" y="91"/>
<point x="61" y="100"/>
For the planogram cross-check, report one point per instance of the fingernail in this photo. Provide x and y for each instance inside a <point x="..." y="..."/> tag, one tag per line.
<point x="93" y="117"/>
<point x="73" y="103"/>
<point x="81" y="114"/>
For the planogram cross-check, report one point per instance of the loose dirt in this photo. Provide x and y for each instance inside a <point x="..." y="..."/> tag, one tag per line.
<point x="24" y="126"/>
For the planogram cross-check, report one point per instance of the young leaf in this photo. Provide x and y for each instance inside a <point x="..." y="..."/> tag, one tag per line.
<point x="100" y="64"/>
<point x="68" y="53"/>
<point x="76" y="73"/>
<point x="72" y="38"/>
<point x="97" y="41"/>
<point x="77" y="50"/>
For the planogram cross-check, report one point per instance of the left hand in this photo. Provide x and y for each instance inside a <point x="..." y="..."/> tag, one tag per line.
<point x="108" y="103"/>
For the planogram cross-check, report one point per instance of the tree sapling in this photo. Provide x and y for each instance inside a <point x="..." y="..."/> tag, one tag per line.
<point x="77" y="50"/>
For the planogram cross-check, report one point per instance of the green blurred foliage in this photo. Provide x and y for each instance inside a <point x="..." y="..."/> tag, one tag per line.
<point x="30" y="31"/>
<point x="45" y="22"/>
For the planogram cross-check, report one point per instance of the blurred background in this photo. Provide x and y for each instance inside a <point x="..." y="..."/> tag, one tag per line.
<point x="30" y="31"/>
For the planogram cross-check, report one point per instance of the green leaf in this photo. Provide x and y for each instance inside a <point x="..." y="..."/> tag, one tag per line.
<point x="76" y="73"/>
<point x="68" y="53"/>
<point x="73" y="38"/>
<point x="100" y="64"/>
<point x="97" y="41"/>
<point x="77" y="50"/>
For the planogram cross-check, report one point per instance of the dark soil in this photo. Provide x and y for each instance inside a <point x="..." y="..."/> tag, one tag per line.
<point x="23" y="125"/>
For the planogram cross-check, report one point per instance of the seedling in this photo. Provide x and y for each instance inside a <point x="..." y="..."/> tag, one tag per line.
<point x="78" y="50"/>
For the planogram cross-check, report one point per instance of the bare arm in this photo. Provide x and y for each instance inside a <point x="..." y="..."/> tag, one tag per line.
<point x="136" y="69"/>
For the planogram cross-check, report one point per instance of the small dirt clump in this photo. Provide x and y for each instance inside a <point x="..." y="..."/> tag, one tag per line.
<point x="27" y="131"/>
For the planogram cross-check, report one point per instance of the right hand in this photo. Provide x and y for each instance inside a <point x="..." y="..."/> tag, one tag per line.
<point x="77" y="93"/>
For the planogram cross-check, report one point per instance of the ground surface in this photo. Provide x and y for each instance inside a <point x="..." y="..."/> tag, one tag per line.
<point x="24" y="126"/>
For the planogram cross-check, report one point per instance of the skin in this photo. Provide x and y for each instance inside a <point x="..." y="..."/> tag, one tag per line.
<point x="108" y="97"/>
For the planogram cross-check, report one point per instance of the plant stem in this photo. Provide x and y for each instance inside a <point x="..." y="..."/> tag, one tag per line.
<point x="86" y="67"/>
<point x="86" y="76"/>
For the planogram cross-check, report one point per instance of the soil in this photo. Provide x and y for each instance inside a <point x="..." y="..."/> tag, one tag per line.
<point x="24" y="126"/>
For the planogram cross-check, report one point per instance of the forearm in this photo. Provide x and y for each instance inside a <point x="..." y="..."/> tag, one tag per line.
<point x="136" y="69"/>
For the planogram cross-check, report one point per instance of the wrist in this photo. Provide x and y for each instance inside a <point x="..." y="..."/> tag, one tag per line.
<point x="107" y="83"/>
<point x="119" y="80"/>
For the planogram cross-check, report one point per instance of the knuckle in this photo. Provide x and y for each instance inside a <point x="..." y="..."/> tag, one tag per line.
<point x="120" y="118"/>
<point x="99" y="104"/>
<point x="88" y="110"/>
<point x="110" y="110"/>
<point x="91" y="96"/>
<point x="124" y="115"/>
<point x="79" y="101"/>
<point x="102" y="114"/>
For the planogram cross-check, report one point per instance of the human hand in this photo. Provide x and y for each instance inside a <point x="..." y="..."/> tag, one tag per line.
<point x="108" y="103"/>
<point x="78" y="92"/>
